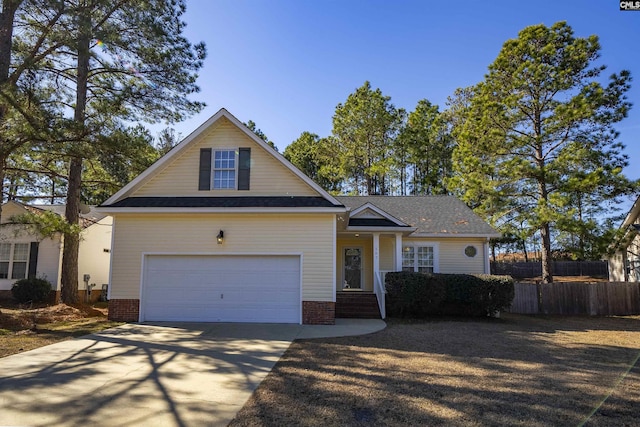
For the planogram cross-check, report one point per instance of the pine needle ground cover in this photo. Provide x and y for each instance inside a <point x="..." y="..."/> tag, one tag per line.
<point x="26" y="328"/>
<point x="516" y="371"/>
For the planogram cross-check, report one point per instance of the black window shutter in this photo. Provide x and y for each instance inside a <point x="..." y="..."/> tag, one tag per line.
<point x="244" y="168"/>
<point x="204" y="180"/>
<point x="33" y="260"/>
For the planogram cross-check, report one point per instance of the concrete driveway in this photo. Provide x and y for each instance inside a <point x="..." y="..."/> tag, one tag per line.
<point x="162" y="374"/>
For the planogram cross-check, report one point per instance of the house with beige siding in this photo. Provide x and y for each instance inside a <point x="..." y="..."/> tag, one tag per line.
<point x="624" y="263"/>
<point x="25" y="254"/>
<point x="224" y="229"/>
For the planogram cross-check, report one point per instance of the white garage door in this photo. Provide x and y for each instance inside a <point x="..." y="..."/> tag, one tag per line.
<point x="221" y="289"/>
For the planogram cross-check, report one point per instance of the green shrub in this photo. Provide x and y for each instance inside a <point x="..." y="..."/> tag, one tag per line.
<point x="31" y="290"/>
<point x="420" y="295"/>
<point x="414" y="294"/>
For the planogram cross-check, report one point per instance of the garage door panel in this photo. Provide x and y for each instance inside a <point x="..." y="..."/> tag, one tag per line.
<point x="222" y="288"/>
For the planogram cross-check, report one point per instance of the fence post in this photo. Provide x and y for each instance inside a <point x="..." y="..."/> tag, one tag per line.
<point x="539" y="293"/>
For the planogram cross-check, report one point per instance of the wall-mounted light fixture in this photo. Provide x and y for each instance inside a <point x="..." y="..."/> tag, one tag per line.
<point x="220" y="237"/>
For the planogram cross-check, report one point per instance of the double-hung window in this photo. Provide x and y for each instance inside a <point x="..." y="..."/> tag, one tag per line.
<point x="419" y="258"/>
<point x="224" y="169"/>
<point x="13" y="260"/>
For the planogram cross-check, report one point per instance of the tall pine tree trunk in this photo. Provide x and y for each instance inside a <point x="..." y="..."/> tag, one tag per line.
<point x="547" y="271"/>
<point x="545" y="235"/>
<point x="7" y="16"/>
<point x="69" y="275"/>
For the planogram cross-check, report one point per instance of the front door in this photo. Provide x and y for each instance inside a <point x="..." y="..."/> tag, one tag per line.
<point x="352" y="268"/>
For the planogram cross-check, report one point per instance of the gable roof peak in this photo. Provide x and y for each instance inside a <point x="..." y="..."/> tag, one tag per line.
<point x="145" y="176"/>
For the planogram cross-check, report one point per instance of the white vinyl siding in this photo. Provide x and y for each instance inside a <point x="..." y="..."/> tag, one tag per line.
<point x="387" y="253"/>
<point x="94" y="256"/>
<point x="269" y="177"/>
<point x="309" y="235"/>
<point x="453" y="259"/>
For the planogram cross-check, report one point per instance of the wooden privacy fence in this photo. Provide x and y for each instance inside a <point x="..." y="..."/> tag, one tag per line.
<point x="560" y="268"/>
<point x="595" y="299"/>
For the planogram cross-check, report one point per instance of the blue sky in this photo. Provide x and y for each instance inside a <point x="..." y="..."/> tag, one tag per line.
<point x="286" y="64"/>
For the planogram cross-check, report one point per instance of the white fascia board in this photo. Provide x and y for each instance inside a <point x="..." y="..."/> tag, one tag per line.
<point x="459" y="235"/>
<point x="114" y="211"/>
<point x="364" y="229"/>
<point x="632" y="216"/>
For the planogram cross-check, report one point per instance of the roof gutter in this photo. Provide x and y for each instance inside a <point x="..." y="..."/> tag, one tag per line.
<point x="457" y="235"/>
<point x="172" y="210"/>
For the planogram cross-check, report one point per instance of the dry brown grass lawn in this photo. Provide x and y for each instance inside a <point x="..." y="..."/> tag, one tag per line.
<point x="26" y="328"/>
<point x="513" y="371"/>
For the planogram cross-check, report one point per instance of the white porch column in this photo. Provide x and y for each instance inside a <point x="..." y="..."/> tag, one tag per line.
<point x="487" y="265"/>
<point x="376" y="253"/>
<point x="398" y="251"/>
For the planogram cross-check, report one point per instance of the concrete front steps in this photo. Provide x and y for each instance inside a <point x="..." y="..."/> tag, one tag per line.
<point x="357" y="305"/>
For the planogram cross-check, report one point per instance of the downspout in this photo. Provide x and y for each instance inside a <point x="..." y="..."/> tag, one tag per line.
<point x="487" y="264"/>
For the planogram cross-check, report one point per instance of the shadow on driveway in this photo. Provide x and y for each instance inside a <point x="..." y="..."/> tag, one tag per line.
<point x="151" y="374"/>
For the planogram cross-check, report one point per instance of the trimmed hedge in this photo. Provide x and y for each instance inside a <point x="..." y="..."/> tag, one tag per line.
<point x="31" y="290"/>
<point x="412" y="294"/>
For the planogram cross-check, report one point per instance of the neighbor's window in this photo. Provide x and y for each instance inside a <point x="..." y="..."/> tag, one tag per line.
<point x="13" y="260"/>
<point x="418" y="258"/>
<point x="5" y="260"/>
<point x="224" y="169"/>
<point x="20" y="258"/>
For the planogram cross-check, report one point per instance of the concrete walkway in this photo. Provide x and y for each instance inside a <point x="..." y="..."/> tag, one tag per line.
<point x="165" y="374"/>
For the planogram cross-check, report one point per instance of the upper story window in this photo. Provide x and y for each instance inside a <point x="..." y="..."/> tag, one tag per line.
<point x="224" y="169"/>
<point x="13" y="260"/>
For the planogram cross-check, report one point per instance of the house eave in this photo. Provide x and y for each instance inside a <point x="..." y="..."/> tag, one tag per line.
<point x="117" y="210"/>
<point x="364" y="229"/>
<point x="456" y="235"/>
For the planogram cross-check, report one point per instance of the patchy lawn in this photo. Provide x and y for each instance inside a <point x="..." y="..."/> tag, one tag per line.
<point x="26" y="328"/>
<point x="515" y="371"/>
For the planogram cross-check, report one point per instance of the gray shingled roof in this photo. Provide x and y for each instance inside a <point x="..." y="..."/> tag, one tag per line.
<point x="445" y="215"/>
<point x="90" y="217"/>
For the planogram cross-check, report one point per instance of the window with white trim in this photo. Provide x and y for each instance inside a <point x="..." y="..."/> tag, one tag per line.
<point x="224" y="169"/>
<point x="418" y="258"/>
<point x="14" y="258"/>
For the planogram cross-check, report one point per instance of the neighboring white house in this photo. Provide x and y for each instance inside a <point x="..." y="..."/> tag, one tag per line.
<point x="624" y="264"/>
<point x="23" y="254"/>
